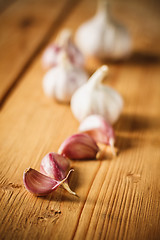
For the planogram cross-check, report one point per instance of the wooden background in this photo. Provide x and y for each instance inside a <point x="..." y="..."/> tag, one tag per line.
<point x="119" y="197"/>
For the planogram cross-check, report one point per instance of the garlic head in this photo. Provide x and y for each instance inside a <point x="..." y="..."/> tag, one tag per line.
<point x="61" y="81"/>
<point x="63" y="42"/>
<point x="95" y="98"/>
<point x="102" y="37"/>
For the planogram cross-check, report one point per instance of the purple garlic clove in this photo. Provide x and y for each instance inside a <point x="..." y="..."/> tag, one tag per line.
<point x="64" y="43"/>
<point x="99" y="129"/>
<point x="56" y="166"/>
<point x="79" y="147"/>
<point x="39" y="184"/>
<point x="49" y="58"/>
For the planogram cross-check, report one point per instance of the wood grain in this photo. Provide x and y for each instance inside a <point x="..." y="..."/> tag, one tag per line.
<point x="25" y="27"/>
<point x="4" y="4"/>
<point x="118" y="197"/>
<point x="142" y="21"/>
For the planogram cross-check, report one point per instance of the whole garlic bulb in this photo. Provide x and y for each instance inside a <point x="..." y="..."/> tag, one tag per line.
<point x="102" y="37"/>
<point x="95" y="98"/>
<point x="64" y="42"/>
<point x="61" y="81"/>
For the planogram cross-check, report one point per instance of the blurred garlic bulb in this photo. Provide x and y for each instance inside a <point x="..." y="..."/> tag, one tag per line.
<point x="64" y="42"/>
<point x="95" y="98"/>
<point x="102" y="37"/>
<point x="61" y="81"/>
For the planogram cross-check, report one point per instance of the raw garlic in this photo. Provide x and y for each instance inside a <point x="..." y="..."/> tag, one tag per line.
<point x="56" y="166"/>
<point x="40" y="184"/>
<point x="102" y="37"/>
<point x="63" y="42"/>
<point x="61" y="81"/>
<point x="95" y="98"/>
<point x="99" y="129"/>
<point x="79" y="147"/>
<point x="54" y="171"/>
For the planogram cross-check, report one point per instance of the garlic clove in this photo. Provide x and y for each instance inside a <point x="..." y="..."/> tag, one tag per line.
<point x="39" y="184"/>
<point x="79" y="147"/>
<point x="95" y="98"/>
<point x="63" y="80"/>
<point x="75" y="55"/>
<point x="64" y="42"/>
<point x="56" y="166"/>
<point x="103" y="37"/>
<point x="49" y="58"/>
<point x="99" y="129"/>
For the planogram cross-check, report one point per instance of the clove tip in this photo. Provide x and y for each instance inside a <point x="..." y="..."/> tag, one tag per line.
<point x="104" y="68"/>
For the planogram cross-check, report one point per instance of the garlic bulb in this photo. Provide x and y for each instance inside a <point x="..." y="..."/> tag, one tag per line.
<point x="102" y="37"/>
<point x="95" y="98"/>
<point x="64" y="42"/>
<point x="61" y="81"/>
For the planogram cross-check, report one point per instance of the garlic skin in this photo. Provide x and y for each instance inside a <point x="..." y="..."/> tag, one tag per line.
<point x="95" y="98"/>
<point x="56" y="166"/>
<point x="63" y="80"/>
<point x="102" y="37"/>
<point x="79" y="147"/>
<point x="40" y="184"/>
<point x="50" y="57"/>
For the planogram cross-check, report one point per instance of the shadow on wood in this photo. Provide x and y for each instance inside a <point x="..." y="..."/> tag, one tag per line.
<point x="132" y="122"/>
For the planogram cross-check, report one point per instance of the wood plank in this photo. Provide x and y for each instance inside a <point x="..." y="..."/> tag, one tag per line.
<point x="119" y="198"/>
<point x="4" y="4"/>
<point x="29" y="38"/>
<point x="143" y="22"/>
<point x="141" y="19"/>
<point x="24" y="28"/>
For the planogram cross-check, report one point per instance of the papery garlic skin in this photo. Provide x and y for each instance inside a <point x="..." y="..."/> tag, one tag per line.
<point x="95" y="98"/>
<point x="79" y="147"/>
<point x="102" y="37"/>
<point x="64" y="42"/>
<point x="63" y="80"/>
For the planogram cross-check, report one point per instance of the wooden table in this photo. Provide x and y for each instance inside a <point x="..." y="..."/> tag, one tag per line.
<point x="119" y="197"/>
